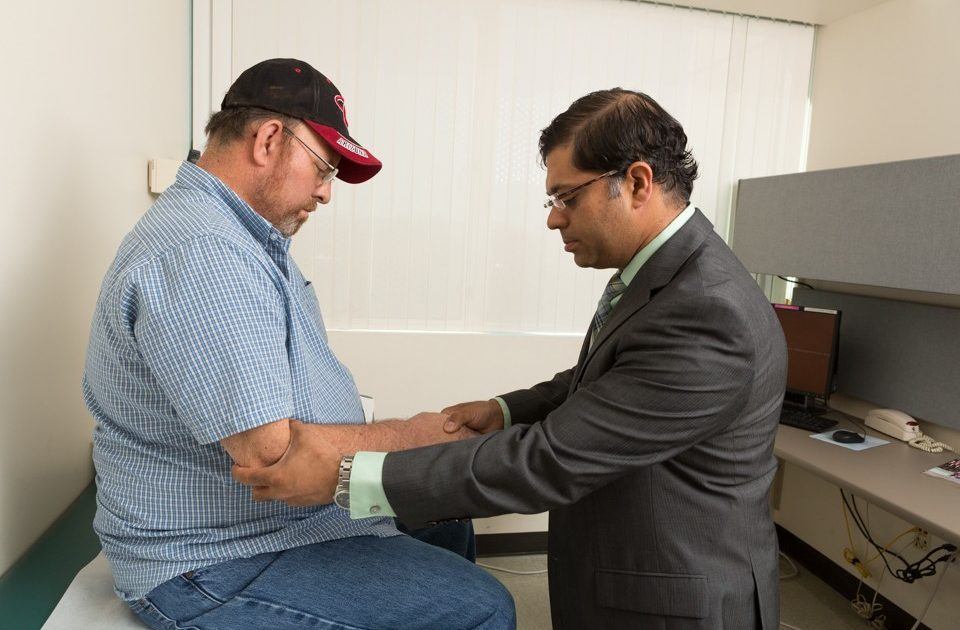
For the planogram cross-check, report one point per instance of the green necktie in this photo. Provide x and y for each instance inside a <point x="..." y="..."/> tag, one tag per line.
<point x="614" y="288"/>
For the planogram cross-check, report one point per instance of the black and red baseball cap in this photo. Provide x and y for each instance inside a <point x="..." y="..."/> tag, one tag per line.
<point x="295" y="88"/>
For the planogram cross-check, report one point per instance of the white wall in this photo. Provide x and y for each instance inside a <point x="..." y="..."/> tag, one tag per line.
<point x="884" y="88"/>
<point x="91" y="91"/>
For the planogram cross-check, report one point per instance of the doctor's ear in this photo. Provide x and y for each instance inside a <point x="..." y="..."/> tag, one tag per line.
<point x="640" y="180"/>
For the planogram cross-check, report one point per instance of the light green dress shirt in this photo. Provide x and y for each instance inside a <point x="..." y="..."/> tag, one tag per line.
<point x="367" y="497"/>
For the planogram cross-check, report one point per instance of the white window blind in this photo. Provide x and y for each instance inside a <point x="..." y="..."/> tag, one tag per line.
<point x="451" y="95"/>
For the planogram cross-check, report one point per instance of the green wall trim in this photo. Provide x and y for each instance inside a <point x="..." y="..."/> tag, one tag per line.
<point x="30" y="590"/>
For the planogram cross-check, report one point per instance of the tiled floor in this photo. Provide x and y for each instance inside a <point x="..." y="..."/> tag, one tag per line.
<point x="806" y="602"/>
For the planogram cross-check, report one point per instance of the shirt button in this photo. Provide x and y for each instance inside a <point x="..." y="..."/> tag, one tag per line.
<point x="374" y="509"/>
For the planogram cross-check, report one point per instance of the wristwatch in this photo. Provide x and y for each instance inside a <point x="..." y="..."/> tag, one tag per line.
<point x="341" y="495"/>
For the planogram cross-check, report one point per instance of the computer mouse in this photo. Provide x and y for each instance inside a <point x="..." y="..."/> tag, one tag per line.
<point x="846" y="437"/>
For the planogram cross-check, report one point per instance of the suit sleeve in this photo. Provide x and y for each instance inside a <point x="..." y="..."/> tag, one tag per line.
<point x="675" y="382"/>
<point x="533" y="405"/>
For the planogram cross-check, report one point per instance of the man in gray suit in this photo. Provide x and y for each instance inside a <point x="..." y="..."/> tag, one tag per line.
<point x="654" y="453"/>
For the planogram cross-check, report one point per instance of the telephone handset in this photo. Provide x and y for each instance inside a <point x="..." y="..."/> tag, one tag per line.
<point x="901" y="426"/>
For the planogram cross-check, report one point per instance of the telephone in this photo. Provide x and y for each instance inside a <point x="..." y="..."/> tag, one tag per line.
<point x="901" y="426"/>
<point x="894" y="423"/>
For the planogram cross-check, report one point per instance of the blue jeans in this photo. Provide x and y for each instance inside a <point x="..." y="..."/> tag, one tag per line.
<point x="359" y="583"/>
<point x="457" y="537"/>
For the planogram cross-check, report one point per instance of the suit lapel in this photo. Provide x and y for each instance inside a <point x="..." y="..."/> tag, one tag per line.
<point x="581" y="362"/>
<point x="655" y="274"/>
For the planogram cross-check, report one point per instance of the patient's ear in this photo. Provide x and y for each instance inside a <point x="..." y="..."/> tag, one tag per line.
<point x="268" y="142"/>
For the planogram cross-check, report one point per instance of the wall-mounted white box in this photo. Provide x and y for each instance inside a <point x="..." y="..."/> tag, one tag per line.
<point x="161" y="173"/>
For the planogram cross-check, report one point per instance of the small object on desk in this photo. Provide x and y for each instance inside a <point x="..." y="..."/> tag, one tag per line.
<point x="948" y="471"/>
<point x="894" y="423"/>
<point x="901" y="426"/>
<point x="847" y="437"/>
<point x="868" y="441"/>
<point x="805" y="420"/>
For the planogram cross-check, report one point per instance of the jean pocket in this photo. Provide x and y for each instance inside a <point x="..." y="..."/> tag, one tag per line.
<point x="137" y="605"/>
<point x="153" y="618"/>
<point x="222" y="582"/>
<point x="664" y="594"/>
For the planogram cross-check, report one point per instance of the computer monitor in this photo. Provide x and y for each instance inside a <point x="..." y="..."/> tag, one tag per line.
<point x="813" y="336"/>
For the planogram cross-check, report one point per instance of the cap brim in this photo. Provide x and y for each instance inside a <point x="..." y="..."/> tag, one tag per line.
<point x="356" y="163"/>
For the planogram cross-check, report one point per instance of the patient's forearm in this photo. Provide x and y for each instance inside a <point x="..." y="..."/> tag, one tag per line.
<point x="390" y="435"/>
<point x="266" y="444"/>
<point x="350" y="438"/>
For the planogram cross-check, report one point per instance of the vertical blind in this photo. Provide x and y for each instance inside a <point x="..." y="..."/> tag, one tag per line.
<point x="452" y="95"/>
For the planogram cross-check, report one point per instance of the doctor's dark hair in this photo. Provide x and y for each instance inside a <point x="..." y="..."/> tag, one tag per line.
<point x="611" y="129"/>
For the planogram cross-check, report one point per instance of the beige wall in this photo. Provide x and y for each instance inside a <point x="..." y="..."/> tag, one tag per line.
<point x="91" y="91"/>
<point x="884" y="89"/>
<point x="885" y="85"/>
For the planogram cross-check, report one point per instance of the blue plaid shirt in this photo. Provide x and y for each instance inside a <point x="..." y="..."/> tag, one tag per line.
<point x="204" y="328"/>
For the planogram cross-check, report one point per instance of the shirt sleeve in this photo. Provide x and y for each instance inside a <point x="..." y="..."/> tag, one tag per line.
<point x="506" y="411"/>
<point x="367" y="498"/>
<point x="211" y="325"/>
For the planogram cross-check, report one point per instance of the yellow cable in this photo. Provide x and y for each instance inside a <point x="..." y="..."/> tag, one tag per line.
<point x="869" y="610"/>
<point x="887" y="546"/>
<point x="850" y="554"/>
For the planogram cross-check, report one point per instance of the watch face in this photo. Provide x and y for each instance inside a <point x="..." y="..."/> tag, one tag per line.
<point x="342" y="498"/>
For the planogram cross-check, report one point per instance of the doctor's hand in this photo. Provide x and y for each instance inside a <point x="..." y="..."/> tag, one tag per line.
<point x="483" y="416"/>
<point x="306" y="474"/>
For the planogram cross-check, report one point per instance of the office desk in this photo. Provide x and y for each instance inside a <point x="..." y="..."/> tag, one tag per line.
<point x="889" y="476"/>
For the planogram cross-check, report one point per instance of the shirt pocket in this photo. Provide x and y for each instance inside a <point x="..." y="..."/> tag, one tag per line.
<point x="310" y="306"/>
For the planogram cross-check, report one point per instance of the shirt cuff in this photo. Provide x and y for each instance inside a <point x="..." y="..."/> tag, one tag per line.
<point x="505" y="410"/>
<point x="367" y="498"/>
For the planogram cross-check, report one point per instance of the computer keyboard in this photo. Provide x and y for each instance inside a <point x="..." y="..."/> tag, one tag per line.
<point x="805" y="420"/>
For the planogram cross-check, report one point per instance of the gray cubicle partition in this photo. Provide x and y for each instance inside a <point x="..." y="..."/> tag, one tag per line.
<point x="889" y="225"/>
<point x="900" y="355"/>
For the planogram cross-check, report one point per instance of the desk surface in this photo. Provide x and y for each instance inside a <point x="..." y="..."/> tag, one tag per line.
<point x="889" y="476"/>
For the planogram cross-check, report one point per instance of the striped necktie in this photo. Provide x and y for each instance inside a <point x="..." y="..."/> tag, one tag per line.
<point x="615" y="288"/>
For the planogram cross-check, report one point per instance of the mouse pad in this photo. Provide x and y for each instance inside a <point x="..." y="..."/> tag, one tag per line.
<point x="869" y="442"/>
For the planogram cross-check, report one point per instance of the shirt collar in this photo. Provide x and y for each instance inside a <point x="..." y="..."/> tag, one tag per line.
<point x="192" y="176"/>
<point x="648" y="250"/>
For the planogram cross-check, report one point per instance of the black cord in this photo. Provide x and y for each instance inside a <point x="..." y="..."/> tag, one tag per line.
<point x="802" y="284"/>
<point x="855" y="514"/>
<point x="911" y="571"/>
<point x="860" y="428"/>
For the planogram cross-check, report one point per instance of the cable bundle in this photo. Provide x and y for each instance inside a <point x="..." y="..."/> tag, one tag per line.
<point x="911" y="571"/>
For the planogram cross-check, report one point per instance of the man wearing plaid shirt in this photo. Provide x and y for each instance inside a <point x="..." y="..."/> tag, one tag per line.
<point x="205" y="343"/>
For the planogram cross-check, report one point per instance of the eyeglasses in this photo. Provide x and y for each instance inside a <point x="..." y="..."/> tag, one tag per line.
<point x="558" y="200"/>
<point x="327" y="174"/>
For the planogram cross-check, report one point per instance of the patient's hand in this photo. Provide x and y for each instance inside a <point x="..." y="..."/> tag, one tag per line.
<point x="305" y="475"/>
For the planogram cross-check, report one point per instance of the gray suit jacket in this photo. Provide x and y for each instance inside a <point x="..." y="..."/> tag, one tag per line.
<point x="654" y="454"/>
